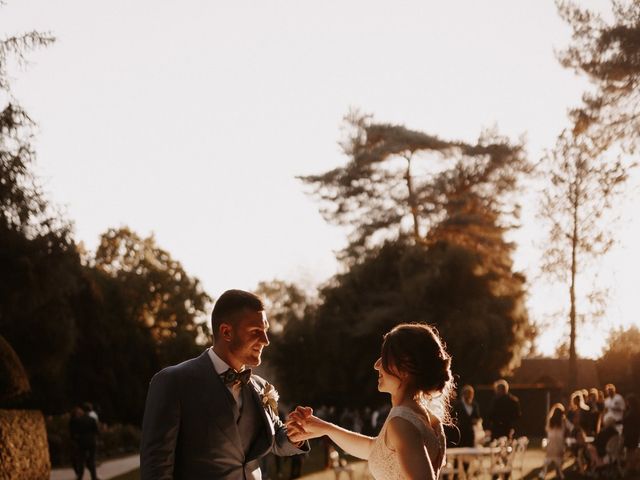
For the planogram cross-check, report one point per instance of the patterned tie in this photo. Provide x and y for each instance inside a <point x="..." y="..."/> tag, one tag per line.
<point x="231" y="377"/>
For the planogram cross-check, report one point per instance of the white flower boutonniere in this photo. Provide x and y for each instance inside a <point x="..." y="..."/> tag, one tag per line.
<point x="270" y="399"/>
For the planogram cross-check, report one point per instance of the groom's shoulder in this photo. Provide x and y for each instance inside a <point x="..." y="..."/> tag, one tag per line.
<point x="180" y="369"/>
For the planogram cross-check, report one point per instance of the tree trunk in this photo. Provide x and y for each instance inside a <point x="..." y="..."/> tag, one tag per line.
<point x="573" y="358"/>
<point x="413" y="205"/>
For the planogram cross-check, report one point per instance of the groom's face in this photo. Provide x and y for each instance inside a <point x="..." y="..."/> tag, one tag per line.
<point x="249" y="337"/>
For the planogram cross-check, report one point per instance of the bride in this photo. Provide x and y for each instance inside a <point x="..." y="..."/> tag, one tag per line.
<point x="414" y="369"/>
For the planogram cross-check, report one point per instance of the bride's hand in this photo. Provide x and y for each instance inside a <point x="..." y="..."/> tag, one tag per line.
<point x="303" y="425"/>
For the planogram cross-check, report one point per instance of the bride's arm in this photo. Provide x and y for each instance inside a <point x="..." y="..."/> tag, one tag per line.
<point x="405" y="439"/>
<point x="304" y="426"/>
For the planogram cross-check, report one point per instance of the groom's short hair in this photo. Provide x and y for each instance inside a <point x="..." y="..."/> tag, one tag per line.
<point x="232" y="302"/>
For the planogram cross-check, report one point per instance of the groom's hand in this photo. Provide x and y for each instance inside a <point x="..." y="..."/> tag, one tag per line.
<point x="302" y="424"/>
<point x="295" y="428"/>
<point x="296" y="435"/>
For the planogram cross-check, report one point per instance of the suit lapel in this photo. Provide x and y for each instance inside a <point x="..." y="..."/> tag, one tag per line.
<point x="262" y="442"/>
<point x="222" y="408"/>
<point x="255" y="394"/>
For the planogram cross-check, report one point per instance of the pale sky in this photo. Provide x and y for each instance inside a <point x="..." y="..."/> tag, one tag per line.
<point x="191" y="118"/>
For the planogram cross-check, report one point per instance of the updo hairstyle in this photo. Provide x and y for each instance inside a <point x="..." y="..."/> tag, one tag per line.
<point x="416" y="349"/>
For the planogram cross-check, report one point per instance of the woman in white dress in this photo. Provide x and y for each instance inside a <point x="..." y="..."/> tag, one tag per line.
<point x="414" y="368"/>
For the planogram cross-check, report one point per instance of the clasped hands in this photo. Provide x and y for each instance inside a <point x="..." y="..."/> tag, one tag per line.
<point x="303" y="425"/>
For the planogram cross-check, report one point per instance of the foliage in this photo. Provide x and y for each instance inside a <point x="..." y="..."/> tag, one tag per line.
<point x="620" y="363"/>
<point x="159" y="293"/>
<point x="79" y="331"/>
<point x="285" y="303"/>
<point x="14" y="383"/>
<point x="400" y="282"/>
<point x="113" y="440"/>
<point x="403" y="182"/>
<point x="608" y="54"/>
<point x="583" y="185"/>
<point x="429" y="218"/>
<point x="38" y="260"/>
<point x="83" y="332"/>
<point x="38" y="263"/>
<point x="582" y="188"/>
<point x="113" y="353"/>
<point x="15" y="47"/>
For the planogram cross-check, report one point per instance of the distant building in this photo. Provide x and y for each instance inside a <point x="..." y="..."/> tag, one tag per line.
<point x="554" y="373"/>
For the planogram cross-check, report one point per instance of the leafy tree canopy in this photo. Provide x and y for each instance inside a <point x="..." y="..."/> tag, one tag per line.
<point x="159" y="293"/>
<point x="401" y="282"/>
<point x="576" y="207"/>
<point x="399" y="181"/>
<point x="620" y="363"/>
<point x="285" y="302"/>
<point x="608" y="53"/>
<point x="427" y="244"/>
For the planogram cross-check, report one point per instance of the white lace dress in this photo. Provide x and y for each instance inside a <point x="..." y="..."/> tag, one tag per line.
<point x="383" y="462"/>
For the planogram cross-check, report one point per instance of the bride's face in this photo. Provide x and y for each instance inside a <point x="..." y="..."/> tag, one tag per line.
<point x="387" y="382"/>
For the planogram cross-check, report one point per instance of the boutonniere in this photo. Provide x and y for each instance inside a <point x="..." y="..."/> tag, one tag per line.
<point x="270" y="397"/>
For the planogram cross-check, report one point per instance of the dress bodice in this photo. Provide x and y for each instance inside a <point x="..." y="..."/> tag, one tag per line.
<point x="384" y="463"/>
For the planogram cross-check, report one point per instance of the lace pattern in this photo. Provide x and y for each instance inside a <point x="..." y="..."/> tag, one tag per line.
<point x="383" y="462"/>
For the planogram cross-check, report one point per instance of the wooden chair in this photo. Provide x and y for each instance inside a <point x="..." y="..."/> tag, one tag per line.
<point x="501" y="465"/>
<point x="520" y="446"/>
<point x="340" y="465"/>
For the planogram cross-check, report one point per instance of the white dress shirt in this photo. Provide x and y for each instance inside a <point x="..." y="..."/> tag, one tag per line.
<point x="220" y="366"/>
<point x="614" y="407"/>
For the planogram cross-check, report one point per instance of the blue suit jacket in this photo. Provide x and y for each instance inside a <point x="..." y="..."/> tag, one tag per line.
<point x="189" y="431"/>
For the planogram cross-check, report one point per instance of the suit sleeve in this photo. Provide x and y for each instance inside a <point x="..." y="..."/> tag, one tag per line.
<point x="476" y="411"/>
<point x="282" y="446"/>
<point x="160" y="428"/>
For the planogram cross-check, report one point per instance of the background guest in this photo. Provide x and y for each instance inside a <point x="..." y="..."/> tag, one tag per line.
<point x="613" y="403"/>
<point x="504" y="412"/>
<point x="467" y="416"/>
<point x="83" y="430"/>
<point x="556" y="429"/>
<point x="631" y="434"/>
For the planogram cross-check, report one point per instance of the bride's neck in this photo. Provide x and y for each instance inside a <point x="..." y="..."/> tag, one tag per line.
<point x="404" y="397"/>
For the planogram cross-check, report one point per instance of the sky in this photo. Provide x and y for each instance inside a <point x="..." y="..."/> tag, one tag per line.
<point x="190" y="120"/>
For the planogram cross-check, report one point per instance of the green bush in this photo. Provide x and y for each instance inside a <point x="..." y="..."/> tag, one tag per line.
<point x="118" y="439"/>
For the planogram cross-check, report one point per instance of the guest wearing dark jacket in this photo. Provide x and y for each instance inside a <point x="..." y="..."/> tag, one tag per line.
<point x="631" y="433"/>
<point x="467" y="415"/>
<point x="504" y="412"/>
<point x="83" y="430"/>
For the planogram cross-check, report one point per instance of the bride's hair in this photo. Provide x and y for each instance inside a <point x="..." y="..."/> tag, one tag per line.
<point x="416" y="349"/>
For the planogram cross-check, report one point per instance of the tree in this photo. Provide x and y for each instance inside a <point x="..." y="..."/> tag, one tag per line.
<point x="288" y="309"/>
<point x="113" y="352"/>
<point x="159" y="293"/>
<point x="582" y="187"/>
<point x="399" y="181"/>
<point x="15" y="47"/>
<point x="429" y="220"/>
<point x="14" y="382"/>
<point x="620" y="363"/>
<point x="284" y="302"/>
<point x="609" y="54"/>
<point x="401" y="282"/>
<point x="38" y="260"/>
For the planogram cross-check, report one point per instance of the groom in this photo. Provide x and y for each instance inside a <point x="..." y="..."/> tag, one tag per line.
<point x="209" y="417"/>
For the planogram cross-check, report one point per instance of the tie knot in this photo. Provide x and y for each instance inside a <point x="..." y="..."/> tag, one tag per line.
<point x="231" y="377"/>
